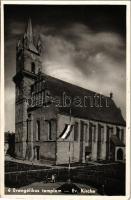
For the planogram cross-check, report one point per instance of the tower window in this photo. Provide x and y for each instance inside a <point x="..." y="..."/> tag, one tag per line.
<point x="118" y="132"/>
<point x="32" y="88"/>
<point x="33" y="67"/>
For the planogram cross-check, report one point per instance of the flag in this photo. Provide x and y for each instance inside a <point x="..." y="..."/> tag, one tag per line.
<point x="66" y="131"/>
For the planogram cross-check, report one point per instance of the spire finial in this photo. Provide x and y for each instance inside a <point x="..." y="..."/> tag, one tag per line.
<point x="28" y="38"/>
<point x="29" y="32"/>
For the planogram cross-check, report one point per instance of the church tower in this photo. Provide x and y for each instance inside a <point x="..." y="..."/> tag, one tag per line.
<point x="28" y="65"/>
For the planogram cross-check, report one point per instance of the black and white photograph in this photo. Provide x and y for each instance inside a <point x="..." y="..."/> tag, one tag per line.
<point x="65" y="99"/>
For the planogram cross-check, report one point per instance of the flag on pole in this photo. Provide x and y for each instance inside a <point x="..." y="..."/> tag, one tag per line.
<point x="66" y="131"/>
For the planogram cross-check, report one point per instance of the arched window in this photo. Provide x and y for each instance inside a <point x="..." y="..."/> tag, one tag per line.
<point x="37" y="153"/>
<point x="37" y="130"/>
<point x="49" y="130"/>
<point x="33" y="67"/>
<point x="118" y="132"/>
<point x="76" y="132"/>
<point x="27" y="130"/>
<point x="90" y="134"/>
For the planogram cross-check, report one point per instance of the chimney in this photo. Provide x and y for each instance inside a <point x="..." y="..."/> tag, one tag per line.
<point x="111" y="95"/>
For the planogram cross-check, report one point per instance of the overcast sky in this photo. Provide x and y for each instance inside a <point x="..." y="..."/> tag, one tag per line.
<point x="84" y="45"/>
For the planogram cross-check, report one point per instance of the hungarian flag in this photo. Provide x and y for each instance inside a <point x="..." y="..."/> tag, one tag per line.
<point x="66" y="132"/>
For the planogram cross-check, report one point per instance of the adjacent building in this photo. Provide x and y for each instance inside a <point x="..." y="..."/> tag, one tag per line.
<point x="9" y="144"/>
<point x="45" y="106"/>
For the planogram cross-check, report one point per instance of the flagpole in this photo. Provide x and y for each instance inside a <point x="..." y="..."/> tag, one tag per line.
<point x="69" y="162"/>
<point x="69" y="165"/>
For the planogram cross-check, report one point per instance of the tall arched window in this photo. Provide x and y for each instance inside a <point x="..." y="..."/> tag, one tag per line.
<point x="33" y="67"/>
<point x="49" y="130"/>
<point x="37" y="130"/>
<point x="118" y="132"/>
<point x="76" y="132"/>
<point x="90" y="134"/>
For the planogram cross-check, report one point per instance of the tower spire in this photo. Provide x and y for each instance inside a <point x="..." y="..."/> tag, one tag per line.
<point x="28" y="38"/>
<point x="29" y="32"/>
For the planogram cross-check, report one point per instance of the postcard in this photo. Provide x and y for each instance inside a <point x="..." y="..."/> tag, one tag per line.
<point x="65" y="99"/>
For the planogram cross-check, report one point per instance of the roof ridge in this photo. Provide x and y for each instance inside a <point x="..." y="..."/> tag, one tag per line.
<point x="105" y="111"/>
<point x="57" y="79"/>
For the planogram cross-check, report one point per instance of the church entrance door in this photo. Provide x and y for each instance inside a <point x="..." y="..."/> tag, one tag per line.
<point x="119" y="154"/>
<point x="38" y="156"/>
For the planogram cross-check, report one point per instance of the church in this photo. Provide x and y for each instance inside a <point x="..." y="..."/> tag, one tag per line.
<point x="57" y="122"/>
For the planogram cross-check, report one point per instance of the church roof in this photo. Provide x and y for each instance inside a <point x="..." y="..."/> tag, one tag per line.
<point x="32" y="48"/>
<point x="106" y="111"/>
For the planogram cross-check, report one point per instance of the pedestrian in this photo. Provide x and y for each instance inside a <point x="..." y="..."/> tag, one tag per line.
<point x="53" y="178"/>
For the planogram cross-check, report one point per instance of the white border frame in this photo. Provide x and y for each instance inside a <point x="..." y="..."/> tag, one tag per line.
<point x="128" y="99"/>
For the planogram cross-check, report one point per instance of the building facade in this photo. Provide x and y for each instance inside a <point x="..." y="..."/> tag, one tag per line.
<point x="45" y="105"/>
<point x="9" y="143"/>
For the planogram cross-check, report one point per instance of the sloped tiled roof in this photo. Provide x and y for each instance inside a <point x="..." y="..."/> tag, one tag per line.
<point x="32" y="47"/>
<point x="111" y="114"/>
